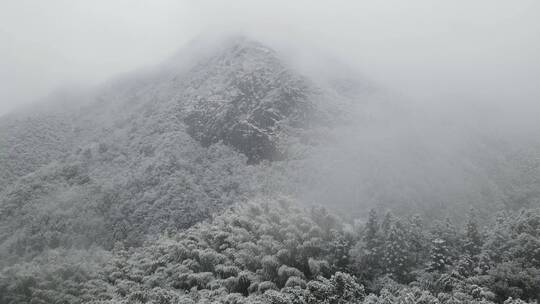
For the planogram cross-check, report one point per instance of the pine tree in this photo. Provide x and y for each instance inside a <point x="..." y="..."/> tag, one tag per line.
<point x="473" y="239"/>
<point x="446" y="231"/>
<point x="419" y="245"/>
<point x="387" y="223"/>
<point x="396" y="258"/>
<point x="439" y="255"/>
<point x="340" y="247"/>
<point x="372" y="230"/>
<point x="371" y="256"/>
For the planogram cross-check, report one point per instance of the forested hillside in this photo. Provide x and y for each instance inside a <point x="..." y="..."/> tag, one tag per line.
<point x="30" y="142"/>
<point x="274" y="252"/>
<point x="121" y="166"/>
<point x="235" y="175"/>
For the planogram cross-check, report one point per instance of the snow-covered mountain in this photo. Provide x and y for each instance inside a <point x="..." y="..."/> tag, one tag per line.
<point x="241" y="93"/>
<point x="165" y="148"/>
<point x="159" y="149"/>
<point x="246" y="97"/>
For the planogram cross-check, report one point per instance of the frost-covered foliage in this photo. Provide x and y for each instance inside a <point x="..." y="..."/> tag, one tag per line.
<point x="121" y="167"/>
<point x="69" y="204"/>
<point x="98" y="199"/>
<point x="163" y="149"/>
<point x="56" y="276"/>
<point x="27" y="143"/>
<point x="275" y="252"/>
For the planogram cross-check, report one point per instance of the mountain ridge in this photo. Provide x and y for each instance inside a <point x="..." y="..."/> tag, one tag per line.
<point x="133" y="163"/>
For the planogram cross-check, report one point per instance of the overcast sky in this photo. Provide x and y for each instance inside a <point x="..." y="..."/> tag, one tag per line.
<point x="483" y="50"/>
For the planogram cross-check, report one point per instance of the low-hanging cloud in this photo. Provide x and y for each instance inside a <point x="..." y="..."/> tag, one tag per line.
<point x="442" y="53"/>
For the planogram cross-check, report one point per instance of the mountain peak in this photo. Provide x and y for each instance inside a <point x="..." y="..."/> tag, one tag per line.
<point x="240" y="52"/>
<point x="241" y="42"/>
<point x="243" y="95"/>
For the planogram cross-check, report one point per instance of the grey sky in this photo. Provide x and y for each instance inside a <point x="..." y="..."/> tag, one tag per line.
<point x="478" y="50"/>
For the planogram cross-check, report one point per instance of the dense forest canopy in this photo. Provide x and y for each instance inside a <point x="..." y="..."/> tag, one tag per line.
<point x="274" y="252"/>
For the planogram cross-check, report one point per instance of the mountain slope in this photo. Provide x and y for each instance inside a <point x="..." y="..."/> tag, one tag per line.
<point x="122" y="166"/>
<point x="46" y="138"/>
<point x="162" y="149"/>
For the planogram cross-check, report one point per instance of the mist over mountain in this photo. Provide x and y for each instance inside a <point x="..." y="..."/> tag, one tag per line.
<point x="152" y="179"/>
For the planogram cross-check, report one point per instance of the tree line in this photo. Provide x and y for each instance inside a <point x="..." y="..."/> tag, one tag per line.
<point x="276" y="252"/>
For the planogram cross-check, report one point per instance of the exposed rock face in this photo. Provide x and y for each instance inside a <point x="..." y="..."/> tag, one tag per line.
<point x="246" y="97"/>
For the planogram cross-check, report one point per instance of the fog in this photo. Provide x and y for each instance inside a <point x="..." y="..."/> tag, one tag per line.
<point x="169" y="151"/>
<point x="486" y="52"/>
<point x="466" y="73"/>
